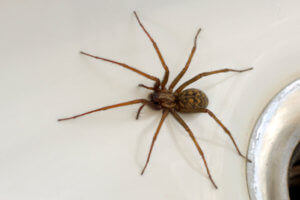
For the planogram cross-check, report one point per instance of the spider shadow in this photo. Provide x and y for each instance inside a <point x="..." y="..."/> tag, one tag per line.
<point x="144" y="141"/>
<point x="187" y="153"/>
<point x="145" y="137"/>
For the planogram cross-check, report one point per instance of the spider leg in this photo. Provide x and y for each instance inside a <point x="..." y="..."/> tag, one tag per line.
<point x="127" y="67"/>
<point x="143" y="101"/>
<point x="197" y="77"/>
<point x="147" y="87"/>
<point x="226" y="131"/>
<point x="164" y="115"/>
<point x="166" y="76"/>
<point x="180" y="75"/>
<point x="139" y="111"/>
<point x="185" y="126"/>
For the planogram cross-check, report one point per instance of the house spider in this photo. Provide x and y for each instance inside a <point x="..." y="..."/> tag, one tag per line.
<point x="171" y="102"/>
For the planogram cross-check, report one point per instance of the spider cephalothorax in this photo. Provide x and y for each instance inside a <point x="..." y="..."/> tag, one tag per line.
<point x="169" y="101"/>
<point x="164" y="98"/>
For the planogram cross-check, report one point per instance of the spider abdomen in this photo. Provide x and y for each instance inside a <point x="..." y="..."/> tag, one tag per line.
<point x="191" y="101"/>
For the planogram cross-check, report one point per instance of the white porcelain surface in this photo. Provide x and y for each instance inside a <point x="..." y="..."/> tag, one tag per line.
<point x="43" y="77"/>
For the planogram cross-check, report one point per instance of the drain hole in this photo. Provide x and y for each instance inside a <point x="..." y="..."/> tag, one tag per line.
<point x="294" y="174"/>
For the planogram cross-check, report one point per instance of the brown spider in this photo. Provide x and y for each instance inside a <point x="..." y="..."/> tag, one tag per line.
<point x="169" y="101"/>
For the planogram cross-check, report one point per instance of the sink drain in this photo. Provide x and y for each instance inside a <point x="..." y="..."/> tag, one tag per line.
<point x="273" y="148"/>
<point x="294" y="174"/>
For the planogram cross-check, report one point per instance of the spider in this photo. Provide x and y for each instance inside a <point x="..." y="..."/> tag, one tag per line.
<point x="168" y="101"/>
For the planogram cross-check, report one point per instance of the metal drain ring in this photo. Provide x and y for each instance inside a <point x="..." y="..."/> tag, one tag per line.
<point x="272" y="143"/>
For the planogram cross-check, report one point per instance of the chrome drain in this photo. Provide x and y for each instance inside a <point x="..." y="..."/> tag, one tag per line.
<point x="272" y="144"/>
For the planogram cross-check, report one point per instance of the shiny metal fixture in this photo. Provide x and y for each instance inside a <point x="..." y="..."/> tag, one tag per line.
<point x="272" y="144"/>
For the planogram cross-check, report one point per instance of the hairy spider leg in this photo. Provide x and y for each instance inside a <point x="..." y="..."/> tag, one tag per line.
<point x="164" y="115"/>
<point x="139" y="111"/>
<point x="180" y="75"/>
<point x="142" y="106"/>
<point x="211" y="114"/>
<point x="197" y="77"/>
<point x="157" y="81"/>
<point x="166" y="76"/>
<point x="185" y="126"/>
<point x="143" y="101"/>
<point x="147" y="87"/>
